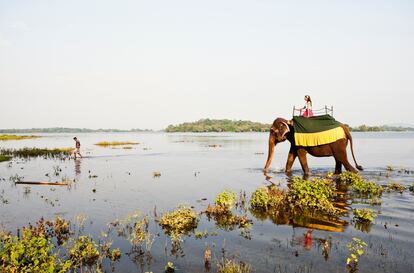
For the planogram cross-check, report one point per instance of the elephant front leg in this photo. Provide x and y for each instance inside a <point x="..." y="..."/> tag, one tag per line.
<point x="303" y="162"/>
<point x="290" y="160"/>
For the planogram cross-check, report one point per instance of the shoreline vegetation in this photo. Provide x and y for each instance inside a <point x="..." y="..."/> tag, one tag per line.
<point x="68" y="130"/>
<point x="199" y="126"/>
<point x="226" y="125"/>
<point x="115" y="143"/>
<point x="16" y="137"/>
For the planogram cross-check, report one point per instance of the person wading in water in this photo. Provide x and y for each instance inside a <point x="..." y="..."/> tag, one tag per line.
<point x="77" y="149"/>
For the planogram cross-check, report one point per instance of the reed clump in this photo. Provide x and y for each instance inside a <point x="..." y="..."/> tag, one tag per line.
<point x="37" y="152"/>
<point x="233" y="266"/>
<point x="16" y="137"/>
<point x="115" y="143"/>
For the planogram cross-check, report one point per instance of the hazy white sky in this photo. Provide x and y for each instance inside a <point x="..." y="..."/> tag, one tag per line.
<point x="147" y="64"/>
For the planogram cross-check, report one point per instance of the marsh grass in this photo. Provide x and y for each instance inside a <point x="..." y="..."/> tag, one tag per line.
<point x="5" y="158"/>
<point x="232" y="266"/>
<point x="115" y="143"/>
<point x="37" y="152"/>
<point x="16" y="137"/>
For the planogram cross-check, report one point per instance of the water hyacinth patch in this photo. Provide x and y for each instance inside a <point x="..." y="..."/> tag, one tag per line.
<point x="179" y="222"/>
<point x="364" y="215"/>
<point x="316" y="195"/>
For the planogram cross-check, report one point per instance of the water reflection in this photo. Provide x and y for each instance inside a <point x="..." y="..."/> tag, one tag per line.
<point x="77" y="167"/>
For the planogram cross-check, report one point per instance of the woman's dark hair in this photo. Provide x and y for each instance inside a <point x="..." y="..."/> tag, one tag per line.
<point x="74" y="138"/>
<point x="308" y="99"/>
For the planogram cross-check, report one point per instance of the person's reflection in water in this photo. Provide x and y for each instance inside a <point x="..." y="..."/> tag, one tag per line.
<point x="307" y="244"/>
<point x="77" y="167"/>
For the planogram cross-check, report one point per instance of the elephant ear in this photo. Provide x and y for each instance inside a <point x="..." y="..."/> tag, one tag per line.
<point x="284" y="128"/>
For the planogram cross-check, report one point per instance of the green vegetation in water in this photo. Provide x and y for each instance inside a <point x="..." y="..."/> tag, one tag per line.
<point x="5" y="158"/>
<point x="356" y="249"/>
<point x="219" y="125"/>
<point x="16" y="137"/>
<point x="412" y="187"/>
<point x="222" y="214"/>
<point x="169" y="268"/>
<point x="360" y="185"/>
<point x="156" y="174"/>
<point x="316" y="195"/>
<point x="37" y="152"/>
<point x="395" y="186"/>
<point x="30" y="253"/>
<point x="84" y="252"/>
<point x="267" y="198"/>
<point x="226" y="200"/>
<point x="232" y="266"/>
<point x="115" y="143"/>
<point x="179" y="222"/>
<point x="364" y="215"/>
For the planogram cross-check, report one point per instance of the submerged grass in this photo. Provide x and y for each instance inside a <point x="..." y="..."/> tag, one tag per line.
<point x="115" y="143"/>
<point x="37" y="152"/>
<point x="16" y="137"/>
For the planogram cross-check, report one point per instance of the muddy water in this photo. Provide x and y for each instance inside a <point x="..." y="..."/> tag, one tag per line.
<point x="194" y="169"/>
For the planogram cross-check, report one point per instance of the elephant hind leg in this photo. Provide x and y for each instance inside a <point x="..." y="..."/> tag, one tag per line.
<point x="348" y="166"/>
<point x="338" y="167"/>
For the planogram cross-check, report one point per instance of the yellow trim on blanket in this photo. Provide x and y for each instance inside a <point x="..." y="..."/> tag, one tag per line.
<point x="319" y="138"/>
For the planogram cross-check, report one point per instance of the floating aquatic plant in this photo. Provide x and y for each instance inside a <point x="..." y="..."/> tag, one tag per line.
<point x="84" y="252"/>
<point x="356" y="249"/>
<point x="360" y="185"/>
<point x="316" y="195"/>
<point x="265" y="198"/>
<point x="395" y="186"/>
<point x="364" y="215"/>
<point x="179" y="222"/>
<point x="169" y="268"/>
<point x="226" y="200"/>
<point x="30" y="253"/>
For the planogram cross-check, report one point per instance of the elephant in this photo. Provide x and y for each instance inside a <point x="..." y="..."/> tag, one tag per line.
<point x="282" y="130"/>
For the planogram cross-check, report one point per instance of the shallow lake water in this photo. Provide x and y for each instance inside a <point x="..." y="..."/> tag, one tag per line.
<point x="194" y="169"/>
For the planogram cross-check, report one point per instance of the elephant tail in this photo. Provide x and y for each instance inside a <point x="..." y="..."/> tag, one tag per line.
<point x="348" y="136"/>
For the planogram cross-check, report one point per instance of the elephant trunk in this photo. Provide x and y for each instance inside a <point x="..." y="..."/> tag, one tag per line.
<point x="271" y="150"/>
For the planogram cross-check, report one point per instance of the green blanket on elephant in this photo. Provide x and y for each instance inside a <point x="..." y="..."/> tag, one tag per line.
<point x="317" y="130"/>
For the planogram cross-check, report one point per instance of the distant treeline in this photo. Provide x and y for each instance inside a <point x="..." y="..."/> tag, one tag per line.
<point x="219" y="125"/>
<point x="384" y="128"/>
<point x="66" y="130"/>
<point x="226" y="125"/>
<point x="202" y="125"/>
